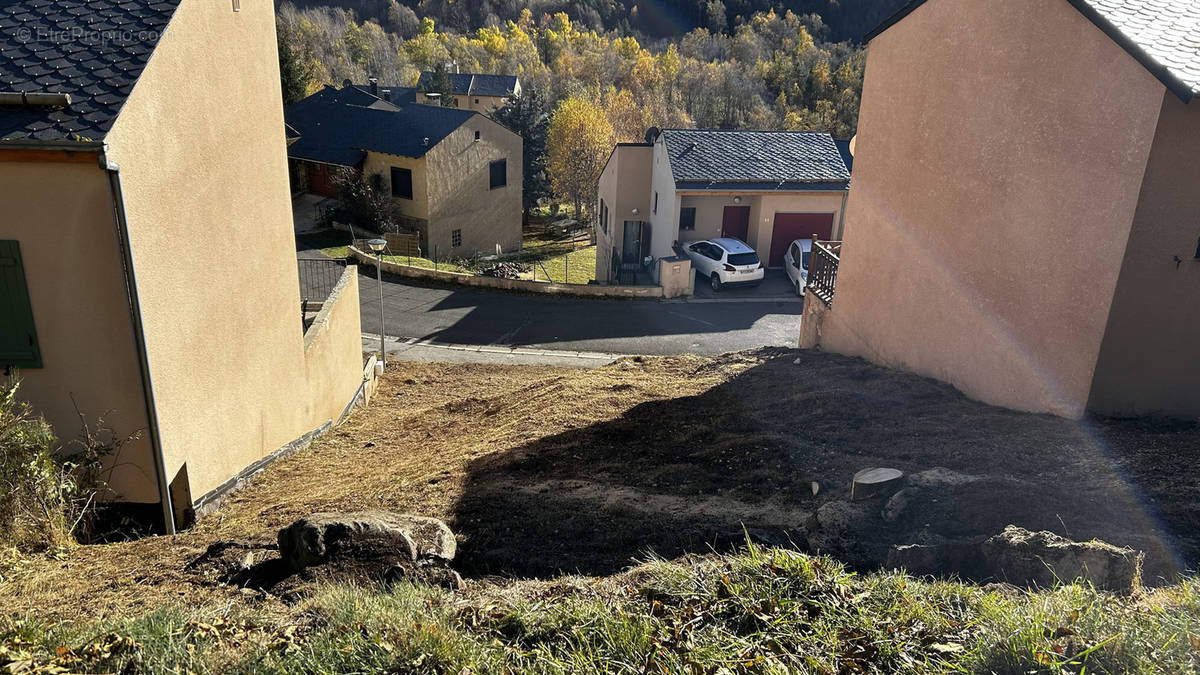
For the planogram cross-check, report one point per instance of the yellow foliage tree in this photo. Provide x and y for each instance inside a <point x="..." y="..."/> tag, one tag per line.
<point x="577" y="145"/>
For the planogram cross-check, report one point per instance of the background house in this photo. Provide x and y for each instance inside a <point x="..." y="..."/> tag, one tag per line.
<point x="454" y="175"/>
<point x="767" y="188"/>
<point x="472" y="91"/>
<point x="1043" y="253"/>
<point x="147" y="260"/>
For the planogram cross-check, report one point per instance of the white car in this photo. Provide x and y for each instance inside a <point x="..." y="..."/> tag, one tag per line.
<point x="725" y="261"/>
<point x="795" y="263"/>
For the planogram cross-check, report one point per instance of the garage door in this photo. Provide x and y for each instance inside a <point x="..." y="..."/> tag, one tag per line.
<point x="792" y="226"/>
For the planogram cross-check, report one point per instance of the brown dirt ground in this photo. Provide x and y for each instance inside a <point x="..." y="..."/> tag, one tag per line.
<point x="544" y="470"/>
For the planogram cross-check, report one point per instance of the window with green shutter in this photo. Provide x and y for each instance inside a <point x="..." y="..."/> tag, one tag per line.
<point x="18" y="339"/>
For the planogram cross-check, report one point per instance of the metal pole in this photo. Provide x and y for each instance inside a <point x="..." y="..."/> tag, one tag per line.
<point x="379" y="278"/>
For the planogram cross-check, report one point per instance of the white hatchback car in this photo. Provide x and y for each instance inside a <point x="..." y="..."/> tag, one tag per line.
<point x="725" y="261"/>
<point x="795" y="263"/>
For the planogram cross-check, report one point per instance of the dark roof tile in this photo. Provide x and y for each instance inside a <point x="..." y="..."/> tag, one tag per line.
<point x="57" y="46"/>
<point x="702" y="156"/>
<point x="475" y="84"/>
<point x="336" y="125"/>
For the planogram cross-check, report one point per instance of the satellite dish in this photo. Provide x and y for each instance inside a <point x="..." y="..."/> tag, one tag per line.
<point x="852" y="139"/>
<point x="652" y="134"/>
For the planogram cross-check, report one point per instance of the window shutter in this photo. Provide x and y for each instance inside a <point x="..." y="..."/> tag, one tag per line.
<point x="18" y="339"/>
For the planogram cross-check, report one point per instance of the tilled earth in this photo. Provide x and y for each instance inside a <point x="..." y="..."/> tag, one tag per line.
<point x="542" y="471"/>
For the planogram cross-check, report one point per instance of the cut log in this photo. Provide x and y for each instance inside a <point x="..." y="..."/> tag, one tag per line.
<point x="870" y="482"/>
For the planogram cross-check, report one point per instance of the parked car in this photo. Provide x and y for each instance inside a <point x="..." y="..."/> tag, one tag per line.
<point x="725" y="261"/>
<point x="795" y="263"/>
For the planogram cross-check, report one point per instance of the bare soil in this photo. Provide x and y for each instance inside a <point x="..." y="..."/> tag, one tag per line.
<point x="543" y="471"/>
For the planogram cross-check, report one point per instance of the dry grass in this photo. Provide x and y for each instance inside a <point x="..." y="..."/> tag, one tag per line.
<point x="543" y="470"/>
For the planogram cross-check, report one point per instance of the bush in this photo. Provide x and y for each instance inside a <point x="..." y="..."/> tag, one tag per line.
<point x="48" y="496"/>
<point x="33" y="486"/>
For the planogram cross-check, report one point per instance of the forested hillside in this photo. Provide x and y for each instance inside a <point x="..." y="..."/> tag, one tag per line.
<point x="767" y="72"/>
<point x="838" y="19"/>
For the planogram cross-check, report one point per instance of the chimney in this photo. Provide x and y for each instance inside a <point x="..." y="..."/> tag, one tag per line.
<point x="374" y="82"/>
<point x="387" y="95"/>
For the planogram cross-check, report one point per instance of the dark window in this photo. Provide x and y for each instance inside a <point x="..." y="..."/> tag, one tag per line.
<point x="476" y="135"/>
<point x="687" y="218"/>
<point x="739" y="259"/>
<point x="499" y="173"/>
<point x="603" y="217"/>
<point x="655" y="209"/>
<point x="18" y="339"/>
<point x="1198" y="249"/>
<point x="455" y="238"/>
<point x="402" y="183"/>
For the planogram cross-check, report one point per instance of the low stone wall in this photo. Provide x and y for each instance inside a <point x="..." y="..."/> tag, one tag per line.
<point x="522" y="285"/>
<point x="811" y="320"/>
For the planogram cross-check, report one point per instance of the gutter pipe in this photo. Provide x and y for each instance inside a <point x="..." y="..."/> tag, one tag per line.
<point x="139" y="335"/>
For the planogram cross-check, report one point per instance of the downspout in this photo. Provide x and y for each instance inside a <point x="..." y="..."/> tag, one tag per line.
<point x="842" y="215"/>
<point x="139" y="338"/>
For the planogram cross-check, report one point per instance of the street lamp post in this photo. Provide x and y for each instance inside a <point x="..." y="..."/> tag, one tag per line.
<point x="377" y="246"/>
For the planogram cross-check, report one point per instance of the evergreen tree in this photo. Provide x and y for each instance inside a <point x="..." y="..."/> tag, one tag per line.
<point x="528" y="116"/>
<point x="293" y="75"/>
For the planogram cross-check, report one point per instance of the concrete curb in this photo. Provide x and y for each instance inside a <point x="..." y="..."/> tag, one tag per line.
<point x="397" y="347"/>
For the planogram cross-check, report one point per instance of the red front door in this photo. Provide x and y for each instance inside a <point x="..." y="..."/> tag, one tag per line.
<point x="792" y="226"/>
<point x="735" y="222"/>
<point x="320" y="180"/>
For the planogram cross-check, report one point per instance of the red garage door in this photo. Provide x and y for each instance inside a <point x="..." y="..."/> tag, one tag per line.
<point x="792" y="226"/>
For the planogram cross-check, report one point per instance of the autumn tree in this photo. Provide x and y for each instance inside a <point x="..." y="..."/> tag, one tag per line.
<point x="578" y="143"/>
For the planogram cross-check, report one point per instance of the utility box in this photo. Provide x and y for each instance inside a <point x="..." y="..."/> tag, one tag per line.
<point x="675" y="276"/>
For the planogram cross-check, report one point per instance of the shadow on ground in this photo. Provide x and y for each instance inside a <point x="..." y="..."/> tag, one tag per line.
<point x="686" y="474"/>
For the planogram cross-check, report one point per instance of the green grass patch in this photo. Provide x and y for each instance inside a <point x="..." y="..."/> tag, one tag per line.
<point x="763" y="611"/>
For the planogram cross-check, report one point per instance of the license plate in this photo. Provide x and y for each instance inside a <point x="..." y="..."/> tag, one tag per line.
<point x="748" y="271"/>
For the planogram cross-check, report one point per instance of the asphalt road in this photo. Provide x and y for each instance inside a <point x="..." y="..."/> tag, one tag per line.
<point x="473" y="317"/>
<point x="459" y="316"/>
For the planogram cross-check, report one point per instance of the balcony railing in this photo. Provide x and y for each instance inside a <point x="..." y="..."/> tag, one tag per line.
<point x="823" y="269"/>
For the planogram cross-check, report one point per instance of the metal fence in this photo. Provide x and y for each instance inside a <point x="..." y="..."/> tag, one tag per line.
<point x="823" y="269"/>
<point x="318" y="276"/>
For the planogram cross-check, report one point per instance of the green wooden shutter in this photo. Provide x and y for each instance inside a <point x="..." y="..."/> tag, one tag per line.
<point x="18" y="339"/>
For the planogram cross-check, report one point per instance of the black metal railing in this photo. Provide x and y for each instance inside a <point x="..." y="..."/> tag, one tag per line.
<point x="823" y="269"/>
<point x="318" y="276"/>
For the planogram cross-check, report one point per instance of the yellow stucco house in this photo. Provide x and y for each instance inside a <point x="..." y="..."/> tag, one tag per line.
<point x="1025" y="219"/>
<point x="480" y="92"/>
<point x="147" y="255"/>
<point x="454" y="175"/>
<point x="766" y="188"/>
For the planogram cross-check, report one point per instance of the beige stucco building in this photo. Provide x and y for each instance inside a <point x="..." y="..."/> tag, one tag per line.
<point x="455" y="176"/>
<point x="766" y="188"/>
<point x="147" y="256"/>
<point x="1023" y="223"/>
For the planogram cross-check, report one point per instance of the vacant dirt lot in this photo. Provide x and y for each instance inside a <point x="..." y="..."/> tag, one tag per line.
<point x="544" y="470"/>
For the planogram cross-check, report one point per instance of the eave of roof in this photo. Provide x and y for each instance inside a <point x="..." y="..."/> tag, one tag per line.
<point x="748" y="186"/>
<point x="1160" y="71"/>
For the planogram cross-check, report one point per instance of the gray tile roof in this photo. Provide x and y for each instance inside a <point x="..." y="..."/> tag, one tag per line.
<point x="1168" y="31"/>
<point x="1163" y="35"/>
<point x="754" y="159"/>
<point x="94" y="50"/>
<point x="336" y="126"/>
<point x="474" y="84"/>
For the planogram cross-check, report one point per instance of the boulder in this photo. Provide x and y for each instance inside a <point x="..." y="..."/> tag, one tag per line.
<point x="368" y="535"/>
<point x="898" y="504"/>
<point x="1019" y="556"/>
<point x="850" y="531"/>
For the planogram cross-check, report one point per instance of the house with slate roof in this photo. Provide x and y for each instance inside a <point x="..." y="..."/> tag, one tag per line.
<point x="1025" y="219"/>
<point x="472" y="91"/>
<point x="767" y="188"/>
<point x="147" y="254"/>
<point x="454" y="175"/>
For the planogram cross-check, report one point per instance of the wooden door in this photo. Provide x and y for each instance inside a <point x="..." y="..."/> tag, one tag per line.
<point x="735" y="222"/>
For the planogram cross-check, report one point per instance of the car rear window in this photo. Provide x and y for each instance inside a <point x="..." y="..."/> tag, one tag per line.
<point x="740" y="259"/>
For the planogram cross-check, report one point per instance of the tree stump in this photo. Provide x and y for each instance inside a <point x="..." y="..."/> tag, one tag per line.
<point x="870" y="482"/>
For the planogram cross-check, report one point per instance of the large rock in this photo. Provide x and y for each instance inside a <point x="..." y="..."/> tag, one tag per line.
<point x="1019" y="556"/>
<point x="1024" y="558"/>
<point x="380" y="536"/>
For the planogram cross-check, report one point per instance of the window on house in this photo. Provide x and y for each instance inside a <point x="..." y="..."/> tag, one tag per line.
<point x="18" y="339"/>
<point x="402" y="183"/>
<point x="499" y="173"/>
<point x="455" y="238"/>
<point x="237" y="5"/>
<point x="687" y="218"/>
<point x="603" y="217"/>
<point x="654" y="209"/>
<point x="476" y="135"/>
<point x="476" y="101"/>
